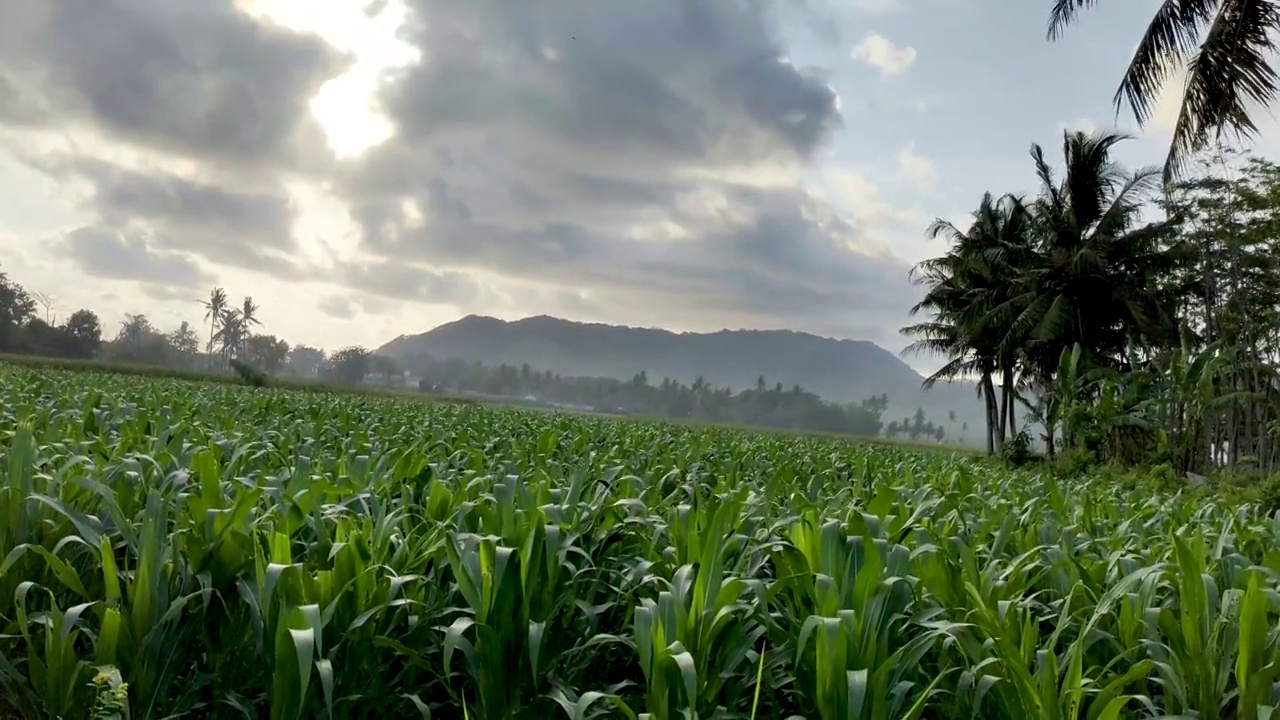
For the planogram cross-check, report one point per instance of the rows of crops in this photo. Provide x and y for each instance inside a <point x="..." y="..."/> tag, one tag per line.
<point x="214" y="551"/>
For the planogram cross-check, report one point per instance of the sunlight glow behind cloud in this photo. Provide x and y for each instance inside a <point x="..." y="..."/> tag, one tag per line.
<point x="367" y="30"/>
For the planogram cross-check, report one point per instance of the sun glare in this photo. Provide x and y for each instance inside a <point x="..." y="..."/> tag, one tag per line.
<point x="346" y="106"/>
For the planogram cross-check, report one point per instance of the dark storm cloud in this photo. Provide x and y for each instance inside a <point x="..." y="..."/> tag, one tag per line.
<point x="404" y="280"/>
<point x="198" y="78"/>
<point x="655" y="82"/>
<point x="337" y="306"/>
<point x="790" y="261"/>
<point x="105" y="253"/>
<point x="171" y="200"/>
<point x="244" y="228"/>
<point x="535" y="138"/>
<point x="18" y="106"/>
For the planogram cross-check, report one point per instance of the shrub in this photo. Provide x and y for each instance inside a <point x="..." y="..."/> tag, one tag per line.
<point x="249" y="375"/>
<point x="1074" y="462"/>
<point x="1017" y="450"/>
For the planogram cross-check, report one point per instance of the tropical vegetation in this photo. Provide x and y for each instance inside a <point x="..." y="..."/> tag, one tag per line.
<point x="1123" y="324"/>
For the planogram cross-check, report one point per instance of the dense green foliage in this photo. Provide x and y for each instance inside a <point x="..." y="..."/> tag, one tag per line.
<point x="231" y="551"/>
<point x="1132" y="327"/>
<point x="764" y="404"/>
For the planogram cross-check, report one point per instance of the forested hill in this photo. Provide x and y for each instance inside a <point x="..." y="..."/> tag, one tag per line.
<point x="838" y="370"/>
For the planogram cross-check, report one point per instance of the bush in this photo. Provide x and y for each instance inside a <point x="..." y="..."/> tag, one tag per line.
<point x="1074" y="462"/>
<point x="248" y="374"/>
<point x="1268" y="494"/>
<point x="1017" y="450"/>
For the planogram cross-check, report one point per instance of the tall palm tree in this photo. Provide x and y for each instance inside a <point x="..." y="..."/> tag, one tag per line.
<point x="231" y="333"/>
<point x="967" y="293"/>
<point x="134" y="329"/>
<point x="185" y="341"/>
<point x="1095" y="276"/>
<point x="249" y="313"/>
<point x="214" y="308"/>
<point x="248" y="321"/>
<point x="1226" y="47"/>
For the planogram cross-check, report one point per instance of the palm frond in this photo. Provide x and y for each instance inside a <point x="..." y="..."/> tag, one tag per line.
<point x="1064" y="13"/>
<point x="1231" y="70"/>
<point x="1170" y="39"/>
<point x="1048" y="186"/>
<point x="954" y="369"/>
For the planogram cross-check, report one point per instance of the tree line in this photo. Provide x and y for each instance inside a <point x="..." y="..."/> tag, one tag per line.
<point x="28" y="327"/>
<point x="231" y="339"/>
<point x="1125" y="318"/>
<point x="765" y="404"/>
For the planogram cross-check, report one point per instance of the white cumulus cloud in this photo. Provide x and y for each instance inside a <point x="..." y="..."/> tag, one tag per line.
<point x="888" y="58"/>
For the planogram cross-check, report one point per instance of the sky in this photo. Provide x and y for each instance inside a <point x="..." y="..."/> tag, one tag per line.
<point x="367" y="168"/>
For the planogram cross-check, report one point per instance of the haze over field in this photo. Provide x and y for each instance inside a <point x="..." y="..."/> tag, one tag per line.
<point x="840" y="371"/>
<point x="371" y="169"/>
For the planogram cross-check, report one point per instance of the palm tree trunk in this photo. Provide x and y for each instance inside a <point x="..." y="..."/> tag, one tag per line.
<point x="1002" y="433"/>
<point x="989" y="397"/>
<point x="1010" y="400"/>
<point x="1004" y="413"/>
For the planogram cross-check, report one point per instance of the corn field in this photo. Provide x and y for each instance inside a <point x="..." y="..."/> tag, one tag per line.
<point x="178" y="549"/>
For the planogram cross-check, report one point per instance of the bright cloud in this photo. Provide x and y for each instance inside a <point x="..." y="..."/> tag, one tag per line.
<point x="888" y="58"/>
<point x="916" y="169"/>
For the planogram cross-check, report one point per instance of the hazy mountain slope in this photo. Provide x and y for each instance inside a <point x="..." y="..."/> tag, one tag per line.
<point x="842" y="370"/>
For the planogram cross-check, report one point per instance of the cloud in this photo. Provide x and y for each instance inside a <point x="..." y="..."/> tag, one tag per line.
<point x="774" y="256"/>
<point x="199" y="79"/>
<point x="1164" y="116"/>
<point x="1081" y="124"/>
<point x="588" y="158"/>
<point x="247" y="228"/>
<point x="406" y="280"/>
<point x="18" y="107"/>
<point x="861" y="199"/>
<point x="880" y="52"/>
<point x="179" y="120"/>
<point x="105" y="253"/>
<point x="338" y="306"/>
<point x="635" y="154"/>
<point x="917" y="169"/>
<point x="879" y="7"/>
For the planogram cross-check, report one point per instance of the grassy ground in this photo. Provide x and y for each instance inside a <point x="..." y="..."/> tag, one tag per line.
<point x="198" y="375"/>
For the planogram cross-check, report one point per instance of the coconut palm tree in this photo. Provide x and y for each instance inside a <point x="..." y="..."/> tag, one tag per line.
<point x="249" y="313"/>
<point x="968" y="292"/>
<point x="1226" y="48"/>
<point x="214" y="308"/>
<point x="185" y="342"/>
<point x="1093" y="279"/>
<point x="231" y="333"/>
<point x="134" y="329"/>
<point x="248" y="321"/>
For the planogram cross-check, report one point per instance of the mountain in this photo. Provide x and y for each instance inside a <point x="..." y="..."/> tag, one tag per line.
<point x="839" y="370"/>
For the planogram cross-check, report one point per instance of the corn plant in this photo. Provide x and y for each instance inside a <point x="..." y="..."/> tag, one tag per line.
<point x="171" y="548"/>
